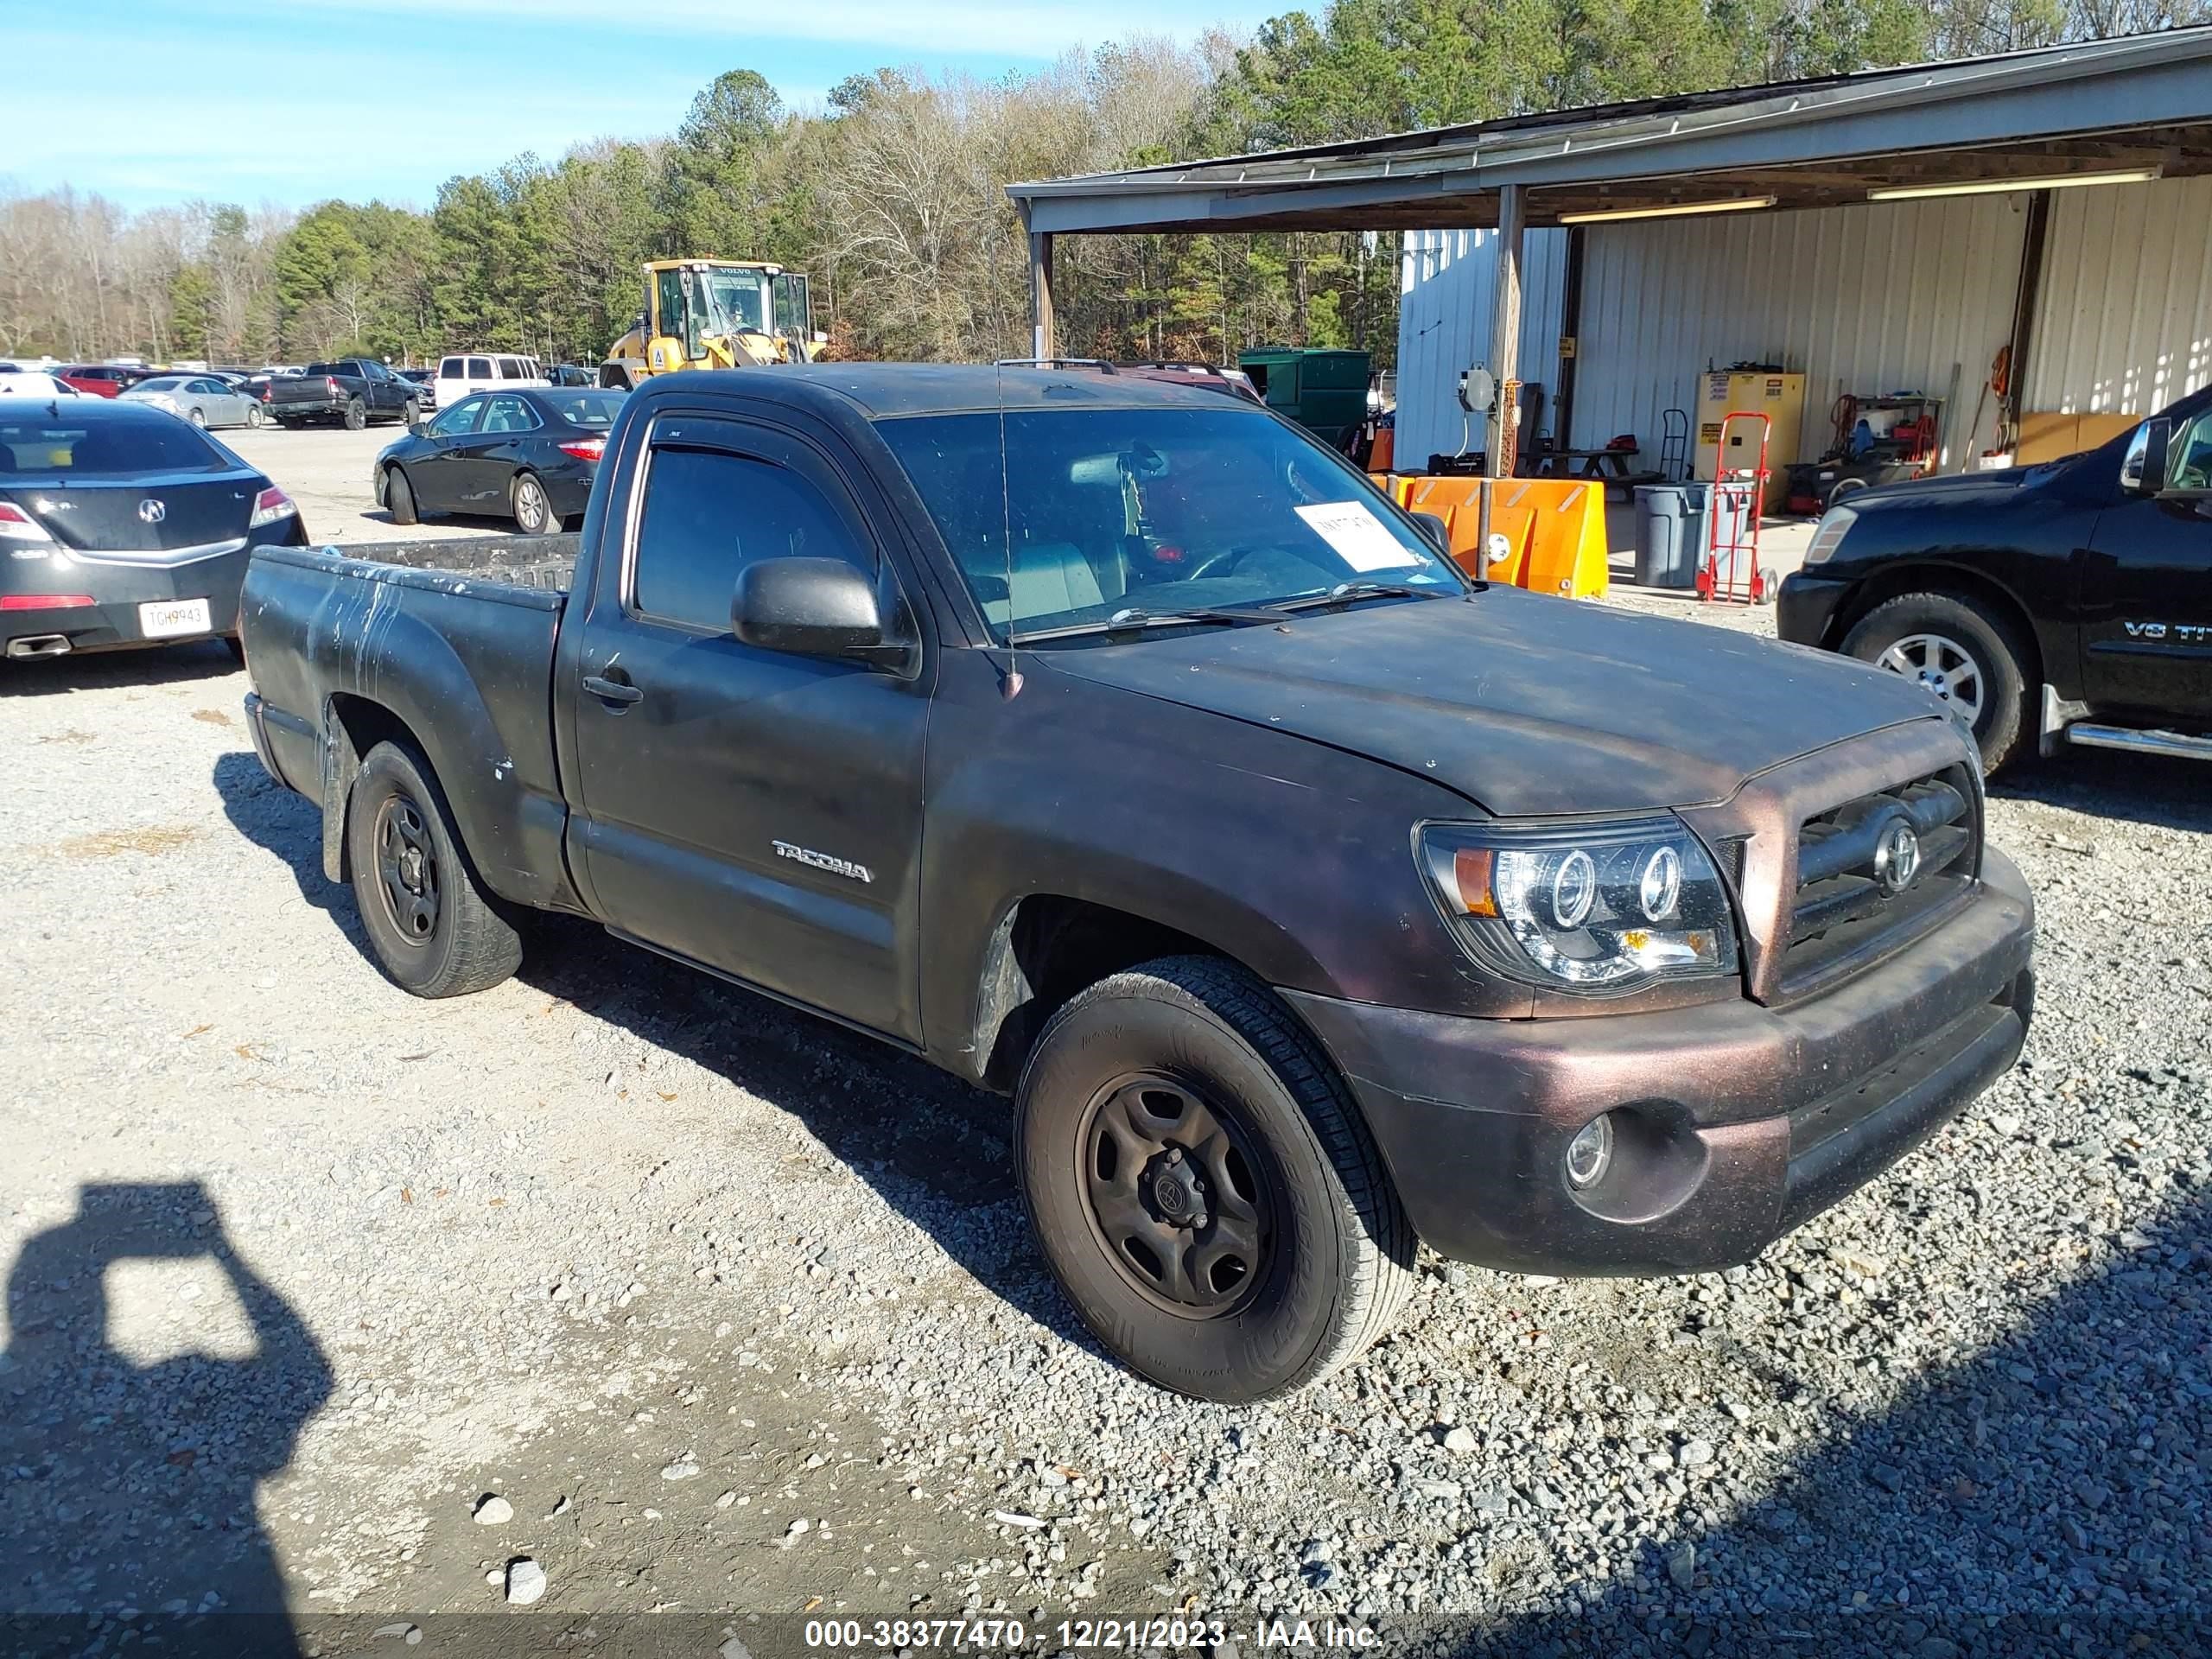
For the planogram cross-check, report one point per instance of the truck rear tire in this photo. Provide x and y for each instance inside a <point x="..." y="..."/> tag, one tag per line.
<point x="1203" y="1186"/>
<point x="357" y="414"/>
<point x="1963" y="652"/>
<point x="434" y="930"/>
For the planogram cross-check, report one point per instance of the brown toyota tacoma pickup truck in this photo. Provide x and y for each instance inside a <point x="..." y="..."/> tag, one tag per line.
<point x="1120" y="747"/>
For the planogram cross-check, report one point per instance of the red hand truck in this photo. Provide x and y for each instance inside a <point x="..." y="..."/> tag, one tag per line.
<point x="1731" y="573"/>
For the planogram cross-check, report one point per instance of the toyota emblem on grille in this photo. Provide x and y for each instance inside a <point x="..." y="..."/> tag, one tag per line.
<point x="152" y="511"/>
<point x="1897" y="858"/>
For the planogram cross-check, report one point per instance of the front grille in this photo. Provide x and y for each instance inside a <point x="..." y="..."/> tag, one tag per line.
<point x="1850" y="908"/>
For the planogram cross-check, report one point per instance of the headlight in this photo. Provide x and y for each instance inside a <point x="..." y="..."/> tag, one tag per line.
<point x="1606" y="907"/>
<point x="1835" y="525"/>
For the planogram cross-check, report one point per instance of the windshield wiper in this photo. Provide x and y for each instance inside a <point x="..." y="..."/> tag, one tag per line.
<point x="1132" y="620"/>
<point x="1346" y="593"/>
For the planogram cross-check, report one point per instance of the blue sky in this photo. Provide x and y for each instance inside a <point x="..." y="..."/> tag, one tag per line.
<point x="293" y="101"/>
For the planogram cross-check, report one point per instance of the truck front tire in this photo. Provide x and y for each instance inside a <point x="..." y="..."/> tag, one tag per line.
<point x="1203" y="1186"/>
<point x="1963" y="653"/>
<point x="433" y="928"/>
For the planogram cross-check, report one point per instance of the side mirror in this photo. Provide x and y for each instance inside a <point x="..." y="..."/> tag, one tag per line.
<point x="813" y="607"/>
<point x="1438" y="533"/>
<point x="2143" y="472"/>
<point x="418" y="426"/>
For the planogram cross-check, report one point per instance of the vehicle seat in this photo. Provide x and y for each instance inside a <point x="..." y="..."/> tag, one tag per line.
<point x="1048" y="578"/>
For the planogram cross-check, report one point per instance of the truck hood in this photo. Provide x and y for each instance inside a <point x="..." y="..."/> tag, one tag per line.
<point x="1525" y="704"/>
<point x="1955" y="486"/>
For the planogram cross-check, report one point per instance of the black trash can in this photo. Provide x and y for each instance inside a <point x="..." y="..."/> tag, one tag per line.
<point x="1670" y="533"/>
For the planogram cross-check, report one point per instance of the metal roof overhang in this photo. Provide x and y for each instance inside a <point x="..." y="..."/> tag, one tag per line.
<point x="2138" y="102"/>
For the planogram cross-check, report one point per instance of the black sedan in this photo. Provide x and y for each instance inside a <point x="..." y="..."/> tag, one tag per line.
<point x="123" y="525"/>
<point x="528" y="455"/>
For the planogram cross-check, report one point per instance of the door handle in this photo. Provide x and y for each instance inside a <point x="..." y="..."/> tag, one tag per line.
<point x="620" y="692"/>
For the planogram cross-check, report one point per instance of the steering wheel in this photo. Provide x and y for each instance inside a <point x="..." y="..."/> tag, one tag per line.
<point x="1223" y="563"/>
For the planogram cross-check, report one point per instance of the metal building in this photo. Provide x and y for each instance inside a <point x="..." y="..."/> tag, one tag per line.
<point x="1879" y="297"/>
<point x="1868" y="230"/>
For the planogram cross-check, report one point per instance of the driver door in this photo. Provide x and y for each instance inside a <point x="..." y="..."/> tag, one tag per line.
<point x="2146" y="637"/>
<point x="753" y="809"/>
<point x="432" y="471"/>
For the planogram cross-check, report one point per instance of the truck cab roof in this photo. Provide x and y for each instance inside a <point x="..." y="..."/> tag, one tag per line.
<point x="885" y="390"/>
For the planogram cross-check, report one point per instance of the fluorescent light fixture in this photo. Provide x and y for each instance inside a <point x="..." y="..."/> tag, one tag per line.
<point x="2006" y="186"/>
<point x="1670" y="210"/>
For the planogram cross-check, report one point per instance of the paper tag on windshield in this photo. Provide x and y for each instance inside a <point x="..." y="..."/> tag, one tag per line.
<point x="1361" y="539"/>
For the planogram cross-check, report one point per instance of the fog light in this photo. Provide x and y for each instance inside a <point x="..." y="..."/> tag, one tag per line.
<point x="1590" y="1154"/>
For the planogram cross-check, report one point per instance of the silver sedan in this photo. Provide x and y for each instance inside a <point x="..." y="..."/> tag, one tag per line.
<point x="201" y="398"/>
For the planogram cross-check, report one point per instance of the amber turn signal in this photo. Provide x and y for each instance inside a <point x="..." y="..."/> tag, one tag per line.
<point x="1470" y="874"/>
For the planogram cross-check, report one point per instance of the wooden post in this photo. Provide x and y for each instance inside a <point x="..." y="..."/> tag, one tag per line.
<point x="1504" y="357"/>
<point x="1040" y="293"/>
<point x="1505" y="327"/>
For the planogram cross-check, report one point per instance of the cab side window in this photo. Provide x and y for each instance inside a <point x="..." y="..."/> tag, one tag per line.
<point x="709" y="513"/>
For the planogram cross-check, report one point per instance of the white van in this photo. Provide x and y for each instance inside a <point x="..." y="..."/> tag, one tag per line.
<point x="468" y="372"/>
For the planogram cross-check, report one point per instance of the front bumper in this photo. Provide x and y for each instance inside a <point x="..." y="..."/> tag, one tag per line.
<point x="1735" y="1122"/>
<point x="1805" y="608"/>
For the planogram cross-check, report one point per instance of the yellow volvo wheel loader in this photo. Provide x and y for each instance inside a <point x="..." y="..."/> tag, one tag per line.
<point x="714" y="314"/>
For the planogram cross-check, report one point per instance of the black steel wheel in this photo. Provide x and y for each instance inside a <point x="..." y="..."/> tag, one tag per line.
<point x="407" y="870"/>
<point x="433" y="927"/>
<point x="1203" y="1186"/>
<point x="1171" y="1183"/>
<point x="357" y="414"/>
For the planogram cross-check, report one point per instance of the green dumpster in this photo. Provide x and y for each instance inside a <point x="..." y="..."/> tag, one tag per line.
<point x="1324" y="391"/>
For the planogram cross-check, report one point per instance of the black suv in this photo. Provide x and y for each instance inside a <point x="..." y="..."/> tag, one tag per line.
<point x="2068" y="602"/>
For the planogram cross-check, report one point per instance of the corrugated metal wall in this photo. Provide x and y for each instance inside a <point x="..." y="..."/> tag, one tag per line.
<point x="1881" y="297"/>
<point x="1444" y="317"/>
<point x="2124" y="316"/>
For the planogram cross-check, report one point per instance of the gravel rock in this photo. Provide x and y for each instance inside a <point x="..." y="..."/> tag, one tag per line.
<point x="495" y="1511"/>
<point x="525" y="1582"/>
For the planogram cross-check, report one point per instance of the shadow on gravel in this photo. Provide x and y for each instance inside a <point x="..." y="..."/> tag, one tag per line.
<point x="127" y="1490"/>
<point x="2164" y="790"/>
<point x="98" y="670"/>
<point x="936" y="1150"/>
<point x="2052" y="1495"/>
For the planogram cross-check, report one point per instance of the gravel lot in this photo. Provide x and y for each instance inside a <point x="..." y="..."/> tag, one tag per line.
<point x="736" y="1315"/>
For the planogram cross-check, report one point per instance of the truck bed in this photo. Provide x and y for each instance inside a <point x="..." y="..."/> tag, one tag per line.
<point x="456" y="637"/>
<point x="547" y="563"/>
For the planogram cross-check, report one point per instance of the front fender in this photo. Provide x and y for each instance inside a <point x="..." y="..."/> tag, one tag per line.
<point x="1285" y="856"/>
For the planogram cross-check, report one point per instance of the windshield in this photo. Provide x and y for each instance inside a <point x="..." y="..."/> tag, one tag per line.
<point x="1153" y="509"/>
<point x="735" y="301"/>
